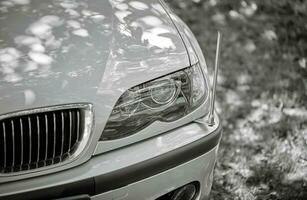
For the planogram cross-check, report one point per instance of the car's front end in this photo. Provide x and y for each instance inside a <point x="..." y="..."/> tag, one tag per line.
<point x="102" y="100"/>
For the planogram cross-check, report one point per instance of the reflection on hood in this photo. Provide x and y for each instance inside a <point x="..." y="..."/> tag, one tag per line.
<point x="55" y="48"/>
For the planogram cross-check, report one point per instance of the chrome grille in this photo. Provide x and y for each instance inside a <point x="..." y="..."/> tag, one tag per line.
<point x="44" y="137"/>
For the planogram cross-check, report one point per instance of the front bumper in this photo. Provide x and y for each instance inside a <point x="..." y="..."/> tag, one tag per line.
<point x="145" y="170"/>
<point x="198" y="170"/>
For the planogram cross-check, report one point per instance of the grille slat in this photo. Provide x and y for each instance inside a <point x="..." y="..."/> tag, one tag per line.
<point x="30" y="141"/>
<point x="70" y="131"/>
<point x="46" y="137"/>
<point x="78" y="125"/>
<point x="4" y="144"/>
<point x="21" y="143"/>
<point x="39" y="139"/>
<point x="13" y="142"/>
<point x="63" y="129"/>
<point x="54" y="135"/>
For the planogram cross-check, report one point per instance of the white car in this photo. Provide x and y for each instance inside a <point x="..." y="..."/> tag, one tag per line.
<point x="103" y="100"/>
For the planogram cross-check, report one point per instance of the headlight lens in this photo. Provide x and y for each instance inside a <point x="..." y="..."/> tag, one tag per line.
<point x="164" y="99"/>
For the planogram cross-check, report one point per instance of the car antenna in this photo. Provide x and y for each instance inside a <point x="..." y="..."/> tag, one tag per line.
<point x="213" y="88"/>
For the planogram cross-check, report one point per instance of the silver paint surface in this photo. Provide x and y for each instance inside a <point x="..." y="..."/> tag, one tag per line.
<point x="59" y="52"/>
<point x="123" y="157"/>
<point x="56" y="52"/>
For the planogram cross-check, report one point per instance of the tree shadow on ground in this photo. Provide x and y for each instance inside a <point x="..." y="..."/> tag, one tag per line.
<point x="277" y="188"/>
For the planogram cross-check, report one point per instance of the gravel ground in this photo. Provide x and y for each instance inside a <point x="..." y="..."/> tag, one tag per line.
<point x="261" y="93"/>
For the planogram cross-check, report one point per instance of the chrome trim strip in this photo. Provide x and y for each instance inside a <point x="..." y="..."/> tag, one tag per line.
<point x="83" y="106"/>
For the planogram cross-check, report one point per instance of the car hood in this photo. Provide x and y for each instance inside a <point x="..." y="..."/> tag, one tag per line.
<point x="60" y="52"/>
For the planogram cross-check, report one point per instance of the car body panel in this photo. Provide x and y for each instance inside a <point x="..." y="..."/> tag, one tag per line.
<point x="121" y="158"/>
<point x="65" y="52"/>
<point x="179" y="25"/>
<point x="61" y="52"/>
<point x="199" y="169"/>
<point x="55" y="52"/>
<point x="96" y="51"/>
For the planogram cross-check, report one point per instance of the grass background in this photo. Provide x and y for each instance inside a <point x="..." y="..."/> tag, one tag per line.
<point x="262" y="93"/>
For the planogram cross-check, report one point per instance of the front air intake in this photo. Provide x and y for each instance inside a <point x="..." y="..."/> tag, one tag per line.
<point x="42" y="137"/>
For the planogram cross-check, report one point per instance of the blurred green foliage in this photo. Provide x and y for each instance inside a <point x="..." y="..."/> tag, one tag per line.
<point x="262" y="93"/>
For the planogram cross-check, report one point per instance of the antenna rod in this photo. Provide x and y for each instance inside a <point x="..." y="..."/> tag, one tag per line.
<point x="213" y="89"/>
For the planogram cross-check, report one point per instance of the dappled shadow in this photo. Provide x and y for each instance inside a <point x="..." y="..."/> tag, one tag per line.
<point x="83" y="50"/>
<point x="261" y="94"/>
<point x="272" y="185"/>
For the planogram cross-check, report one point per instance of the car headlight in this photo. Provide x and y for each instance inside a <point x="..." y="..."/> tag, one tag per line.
<point x="164" y="99"/>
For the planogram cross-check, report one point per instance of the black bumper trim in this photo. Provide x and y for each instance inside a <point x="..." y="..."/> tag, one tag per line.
<point x="127" y="175"/>
<point x="86" y="186"/>
<point x="156" y="165"/>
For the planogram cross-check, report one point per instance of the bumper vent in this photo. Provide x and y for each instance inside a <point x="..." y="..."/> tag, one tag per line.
<point x="43" y="137"/>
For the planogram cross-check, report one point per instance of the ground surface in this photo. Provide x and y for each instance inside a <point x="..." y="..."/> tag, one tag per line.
<point x="262" y="94"/>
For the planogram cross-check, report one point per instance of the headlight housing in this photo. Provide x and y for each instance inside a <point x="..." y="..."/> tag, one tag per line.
<point x="165" y="99"/>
